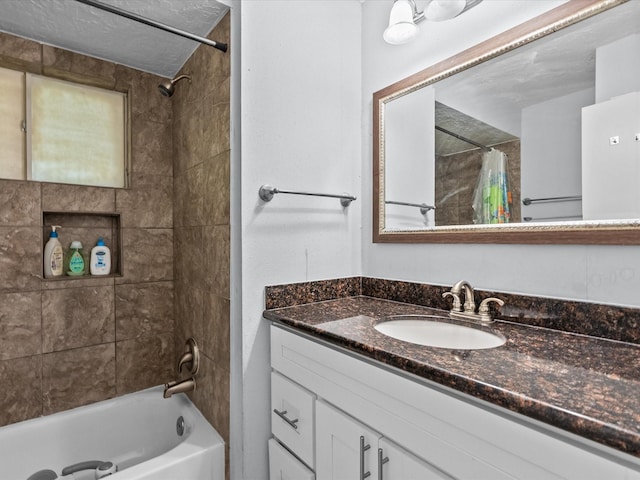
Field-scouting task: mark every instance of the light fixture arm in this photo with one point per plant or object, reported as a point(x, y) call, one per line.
point(417, 16)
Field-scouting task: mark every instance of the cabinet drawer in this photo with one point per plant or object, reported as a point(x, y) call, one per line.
point(292, 417)
point(284, 466)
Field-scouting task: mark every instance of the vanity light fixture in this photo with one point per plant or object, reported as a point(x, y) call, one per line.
point(404, 16)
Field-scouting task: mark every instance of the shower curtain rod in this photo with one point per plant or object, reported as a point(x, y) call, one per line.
point(154, 23)
point(464, 139)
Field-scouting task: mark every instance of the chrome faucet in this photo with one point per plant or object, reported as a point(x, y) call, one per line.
point(171, 388)
point(483, 315)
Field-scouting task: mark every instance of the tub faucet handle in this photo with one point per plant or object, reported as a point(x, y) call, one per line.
point(190, 358)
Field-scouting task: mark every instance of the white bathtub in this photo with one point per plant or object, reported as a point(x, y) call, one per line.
point(136, 432)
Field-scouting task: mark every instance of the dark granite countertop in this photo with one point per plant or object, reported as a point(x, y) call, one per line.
point(585, 385)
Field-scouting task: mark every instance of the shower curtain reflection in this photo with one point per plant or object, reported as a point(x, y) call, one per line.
point(492, 197)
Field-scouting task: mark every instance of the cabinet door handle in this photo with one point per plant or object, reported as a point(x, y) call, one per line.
point(283, 416)
point(381, 461)
point(363, 448)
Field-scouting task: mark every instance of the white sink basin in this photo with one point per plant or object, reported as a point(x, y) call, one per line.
point(439, 332)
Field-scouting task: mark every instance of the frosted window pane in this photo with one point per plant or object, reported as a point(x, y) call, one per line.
point(11, 116)
point(77, 133)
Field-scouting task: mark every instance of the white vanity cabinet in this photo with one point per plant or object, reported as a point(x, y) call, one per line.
point(425, 430)
point(348, 449)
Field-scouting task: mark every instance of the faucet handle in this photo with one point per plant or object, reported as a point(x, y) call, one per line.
point(457, 305)
point(483, 310)
point(190, 358)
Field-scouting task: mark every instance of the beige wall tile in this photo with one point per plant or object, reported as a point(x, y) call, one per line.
point(144, 310)
point(212, 394)
point(189, 307)
point(217, 190)
point(201, 142)
point(20, 325)
point(77, 317)
point(189, 255)
point(148, 203)
point(75, 282)
point(21, 380)
point(216, 140)
point(57, 197)
point(145, 99)
point(145, 362)
point(151, 146)
point(148, 255)
point(19, 203)
point(78, 377)
point(79, 68)
point(216, 328)
point(80, 312)
point(216, 256)
point(20, 52)
point(20, 258)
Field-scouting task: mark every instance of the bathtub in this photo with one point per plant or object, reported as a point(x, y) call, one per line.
point(138, 433)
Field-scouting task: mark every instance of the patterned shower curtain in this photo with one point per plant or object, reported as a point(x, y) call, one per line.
point(492, 197)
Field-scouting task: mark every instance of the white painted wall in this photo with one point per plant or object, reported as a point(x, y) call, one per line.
point(553, 168)
point(607, 274)
point(300, 104)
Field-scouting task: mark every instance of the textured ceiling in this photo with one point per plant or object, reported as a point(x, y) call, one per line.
point(84, 29)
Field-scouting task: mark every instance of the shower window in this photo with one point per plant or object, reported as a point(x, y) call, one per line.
point(71, 133)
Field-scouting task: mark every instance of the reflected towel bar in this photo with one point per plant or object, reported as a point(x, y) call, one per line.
point(267, 192)
point(529, 201)
point(424, 208)
point(531, 219)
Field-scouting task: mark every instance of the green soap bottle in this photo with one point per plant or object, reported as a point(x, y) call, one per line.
point(75, 260)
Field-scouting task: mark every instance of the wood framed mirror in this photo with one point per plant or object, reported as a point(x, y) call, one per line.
point(532, 137)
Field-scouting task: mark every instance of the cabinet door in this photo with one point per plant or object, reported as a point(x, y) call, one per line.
point(284, 466)
point(345, 449)
point(396, 463)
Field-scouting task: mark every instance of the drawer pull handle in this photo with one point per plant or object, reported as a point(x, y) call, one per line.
point(283, 416)
point(363, 448)
point(381, 461)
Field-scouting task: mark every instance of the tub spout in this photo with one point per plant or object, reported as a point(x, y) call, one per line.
point(188, 385)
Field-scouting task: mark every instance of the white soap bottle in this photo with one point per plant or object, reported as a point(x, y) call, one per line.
point(53, 256)
point(100, 263)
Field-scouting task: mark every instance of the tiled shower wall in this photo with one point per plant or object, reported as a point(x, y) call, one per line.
point(201, 218)
point(66, 343)
point(459, 173)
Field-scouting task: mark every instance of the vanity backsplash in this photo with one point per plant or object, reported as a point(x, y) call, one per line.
point(597, 320)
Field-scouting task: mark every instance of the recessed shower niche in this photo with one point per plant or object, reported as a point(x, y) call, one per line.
point(87, 228)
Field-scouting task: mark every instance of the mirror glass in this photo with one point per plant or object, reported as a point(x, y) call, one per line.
point(542, 138)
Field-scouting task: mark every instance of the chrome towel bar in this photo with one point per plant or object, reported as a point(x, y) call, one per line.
point(267, 192)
